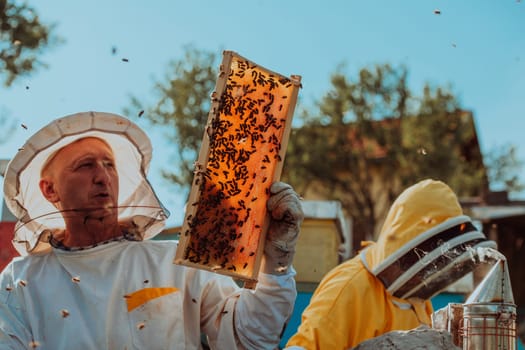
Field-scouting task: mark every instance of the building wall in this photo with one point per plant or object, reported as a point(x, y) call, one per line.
point(7, 251)
point(7, 227)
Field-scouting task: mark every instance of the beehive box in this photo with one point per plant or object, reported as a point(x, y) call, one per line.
point(324, 241)
point(241, 155)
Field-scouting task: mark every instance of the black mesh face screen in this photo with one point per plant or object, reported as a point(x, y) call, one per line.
point(447, 255)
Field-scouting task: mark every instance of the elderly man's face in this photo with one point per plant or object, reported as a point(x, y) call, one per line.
point(82, 176)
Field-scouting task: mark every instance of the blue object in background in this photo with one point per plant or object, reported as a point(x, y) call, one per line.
point(443, 299)
point(303, 299)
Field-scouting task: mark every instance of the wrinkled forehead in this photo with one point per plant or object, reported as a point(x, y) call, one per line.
point(77, 149)
point(86, 144)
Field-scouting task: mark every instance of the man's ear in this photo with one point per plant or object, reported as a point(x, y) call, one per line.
point(47, 187)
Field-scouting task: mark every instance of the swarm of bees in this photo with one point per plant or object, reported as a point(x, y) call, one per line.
point(244, 135)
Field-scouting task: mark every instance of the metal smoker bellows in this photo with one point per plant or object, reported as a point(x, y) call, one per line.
point(489, 314)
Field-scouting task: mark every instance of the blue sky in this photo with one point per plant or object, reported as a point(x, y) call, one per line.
point(476, 47)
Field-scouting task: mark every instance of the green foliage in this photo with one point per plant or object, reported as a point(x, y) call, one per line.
point(23, 37)
point(182, 109)
point(503, 168)
point(439, 141)
point(370, 139)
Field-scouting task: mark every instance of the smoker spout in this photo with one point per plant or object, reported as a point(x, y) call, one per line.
point(495, 287)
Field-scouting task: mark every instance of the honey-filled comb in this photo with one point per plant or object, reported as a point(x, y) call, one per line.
point(241, 155)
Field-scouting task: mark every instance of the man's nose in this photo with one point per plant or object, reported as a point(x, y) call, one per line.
point(101, 175)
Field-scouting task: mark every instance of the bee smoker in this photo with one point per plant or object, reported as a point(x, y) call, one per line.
point(489, 314)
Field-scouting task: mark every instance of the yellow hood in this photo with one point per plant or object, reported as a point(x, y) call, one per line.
point(426, 243)
point(418, 209)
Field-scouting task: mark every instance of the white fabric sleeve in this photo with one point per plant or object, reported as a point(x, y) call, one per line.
point(235, 318)
point(14, 331)
point(261, 315)
point(218, 301)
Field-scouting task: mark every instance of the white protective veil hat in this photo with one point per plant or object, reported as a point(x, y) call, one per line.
point(139, 209)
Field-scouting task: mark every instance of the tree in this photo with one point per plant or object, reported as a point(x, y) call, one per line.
point(440, 141)
point(369, 139)
point(183, 106)
point(504, 168)
point(23, 37)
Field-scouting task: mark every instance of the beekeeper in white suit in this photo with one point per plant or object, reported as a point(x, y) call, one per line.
point(89, 278)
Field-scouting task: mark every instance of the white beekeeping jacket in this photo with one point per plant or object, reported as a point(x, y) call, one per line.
point(129, 295)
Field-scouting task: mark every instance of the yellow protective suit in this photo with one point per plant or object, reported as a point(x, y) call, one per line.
point(351, 304)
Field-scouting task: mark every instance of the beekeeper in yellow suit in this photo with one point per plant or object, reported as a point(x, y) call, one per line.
point(425, 244)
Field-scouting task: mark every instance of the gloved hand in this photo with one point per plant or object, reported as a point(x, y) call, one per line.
point(286, 216)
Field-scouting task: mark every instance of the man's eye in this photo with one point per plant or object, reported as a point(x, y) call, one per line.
point(85, 165)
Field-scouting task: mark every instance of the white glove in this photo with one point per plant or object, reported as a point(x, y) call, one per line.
point(286, 216)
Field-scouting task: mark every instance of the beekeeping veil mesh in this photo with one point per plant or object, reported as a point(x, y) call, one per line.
point(426, 243)
point(138, 206)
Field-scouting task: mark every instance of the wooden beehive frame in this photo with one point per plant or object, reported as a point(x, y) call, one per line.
point(242, 152)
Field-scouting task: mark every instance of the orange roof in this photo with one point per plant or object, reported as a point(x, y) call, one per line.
point(373, 150)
